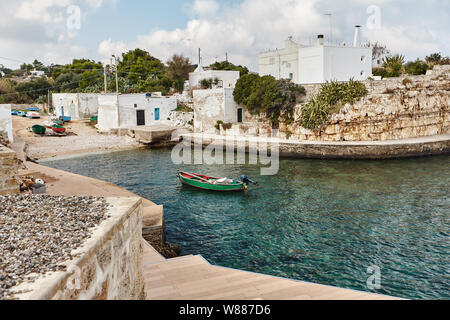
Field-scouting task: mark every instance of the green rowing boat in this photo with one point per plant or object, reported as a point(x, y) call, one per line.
point(210, 183)
point(38, 129)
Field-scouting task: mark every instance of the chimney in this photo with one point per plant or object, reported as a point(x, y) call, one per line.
point(357, 40)
point(320, 39)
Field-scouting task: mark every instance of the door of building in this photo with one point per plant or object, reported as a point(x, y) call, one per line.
point(240, 117)
point(156, 114)
point(140, 116)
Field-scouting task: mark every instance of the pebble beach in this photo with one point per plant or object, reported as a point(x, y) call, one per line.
point(39, 232)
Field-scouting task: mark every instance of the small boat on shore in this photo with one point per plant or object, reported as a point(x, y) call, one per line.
point(15, 113)
point(38, 129)
point(22, 114)
point(33, 115)
point(204, 182)
point(65, 118)
point(58, 129)
point(58, 122)
point(33, 109)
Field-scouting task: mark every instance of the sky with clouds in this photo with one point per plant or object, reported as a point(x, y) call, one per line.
point(50, 31)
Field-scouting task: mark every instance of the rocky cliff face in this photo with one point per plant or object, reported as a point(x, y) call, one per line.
point(397, 108)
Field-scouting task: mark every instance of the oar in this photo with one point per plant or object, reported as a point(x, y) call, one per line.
point(193, 174)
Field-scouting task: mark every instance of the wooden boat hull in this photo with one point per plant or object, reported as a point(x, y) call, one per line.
point(197, 182)
point(58, 129)
point(33, 115)
point(38, 129)
point(65, 118)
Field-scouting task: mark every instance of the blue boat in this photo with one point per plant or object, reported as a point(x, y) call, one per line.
point(65, 118)
point(33, 109)
point(22, 114)
point(15, 113)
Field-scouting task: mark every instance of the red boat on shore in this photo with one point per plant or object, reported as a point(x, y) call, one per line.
point(58, 129)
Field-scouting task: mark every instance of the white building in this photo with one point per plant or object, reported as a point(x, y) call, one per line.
point(132, 110)
point(281, 64)
point(75, 105)
point(318, 64)
point(6, 121)
point(227, 79)
point(212, 106)
point(36, 74)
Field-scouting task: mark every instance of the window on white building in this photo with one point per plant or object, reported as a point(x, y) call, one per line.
point(291, 76)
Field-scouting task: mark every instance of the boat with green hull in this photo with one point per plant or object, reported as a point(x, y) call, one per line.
point(38, 129)
point(204, 182)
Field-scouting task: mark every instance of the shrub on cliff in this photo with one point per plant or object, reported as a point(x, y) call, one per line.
point(416, 68)
point(275, 98)
point(228, 66)
point(332, 96)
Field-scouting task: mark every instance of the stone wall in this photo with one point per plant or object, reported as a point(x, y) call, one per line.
point(107, 267)
point(9, 167)
point(182, 119)
point(6, 122)
point(395, 108)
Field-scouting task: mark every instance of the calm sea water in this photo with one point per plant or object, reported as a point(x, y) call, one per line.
point(319, 221)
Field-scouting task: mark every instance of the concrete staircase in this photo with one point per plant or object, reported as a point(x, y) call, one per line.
point(194, 278)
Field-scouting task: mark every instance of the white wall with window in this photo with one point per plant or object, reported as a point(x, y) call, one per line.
point(326, 63)
point(280, 63)
point(134, 110)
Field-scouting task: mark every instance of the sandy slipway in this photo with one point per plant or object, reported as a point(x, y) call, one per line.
point(38, 234)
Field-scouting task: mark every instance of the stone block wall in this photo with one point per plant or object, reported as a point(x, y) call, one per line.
point(9, 167)
point(107, 267)
point(396, 108)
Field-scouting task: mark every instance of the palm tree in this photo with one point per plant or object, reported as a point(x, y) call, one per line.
point(394, 64)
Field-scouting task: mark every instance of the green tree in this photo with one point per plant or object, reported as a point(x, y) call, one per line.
point(275, 98)
point(417, 67)
point(228, 66)
point(34, 89)
point(68, 82)
point(178, 69)
point(138, 65)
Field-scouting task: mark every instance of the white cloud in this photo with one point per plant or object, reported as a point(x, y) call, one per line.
point(244, 29)
point(39, 29)
point(205, 7)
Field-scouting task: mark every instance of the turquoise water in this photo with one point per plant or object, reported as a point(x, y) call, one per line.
point(319, 221)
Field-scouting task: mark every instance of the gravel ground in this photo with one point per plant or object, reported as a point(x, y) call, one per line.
point(83, 138)
point(54, 146)
point(38, 234)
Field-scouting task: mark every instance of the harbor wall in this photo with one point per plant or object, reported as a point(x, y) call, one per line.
point(396, 108)
point(9, 167)
point(108, 266)
point(6, 122)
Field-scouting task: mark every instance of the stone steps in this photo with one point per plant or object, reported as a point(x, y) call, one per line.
point(193, 278)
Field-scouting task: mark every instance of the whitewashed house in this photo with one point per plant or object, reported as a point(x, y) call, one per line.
point(6, 121)
point(78, 106)
point(215, 105)
point(131, 110)
point(36, 73)
point(319, 63)
point(227, 79)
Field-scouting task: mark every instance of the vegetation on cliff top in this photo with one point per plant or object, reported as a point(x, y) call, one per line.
point(332, 96)
point(395, 65)
point(266, 95)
